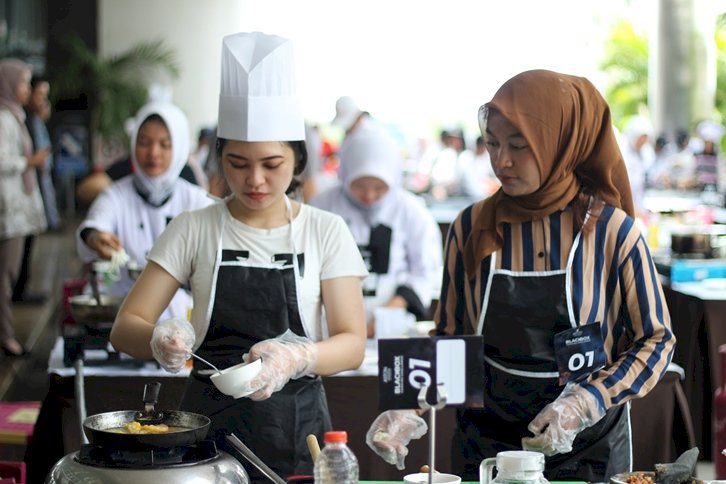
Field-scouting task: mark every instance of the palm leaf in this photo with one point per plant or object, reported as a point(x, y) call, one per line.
point(626, 63)
point(115, 86)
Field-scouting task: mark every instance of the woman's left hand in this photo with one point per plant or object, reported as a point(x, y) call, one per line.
point(283, 358)
point(557, 425)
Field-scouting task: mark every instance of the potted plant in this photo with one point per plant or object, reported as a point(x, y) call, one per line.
point(114, 87)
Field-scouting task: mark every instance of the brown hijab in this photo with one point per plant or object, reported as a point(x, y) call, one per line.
point(566, 122)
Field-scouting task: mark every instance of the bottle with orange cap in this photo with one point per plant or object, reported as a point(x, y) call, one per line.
point(336, 463)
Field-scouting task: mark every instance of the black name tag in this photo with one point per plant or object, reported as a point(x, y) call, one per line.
point(579, 352)
point(453, 363)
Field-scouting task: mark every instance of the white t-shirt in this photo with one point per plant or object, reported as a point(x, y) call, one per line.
point(188, 248)
point(120, 210)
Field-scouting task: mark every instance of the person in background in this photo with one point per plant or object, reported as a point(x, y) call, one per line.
point(709, 161)
point(37, 112)
point(311, 176)
point(677, 169)
point(205, 143)
point(554, 255)
point(91, 186)
point(21, 204)
point(198, 158)
point(349, 117)
point(658, 173)
point(263, 269)
point(131, 214)
point(477, 178)
point(447, 167)
point(397, 236)
point(212, 169)
point(639, 157)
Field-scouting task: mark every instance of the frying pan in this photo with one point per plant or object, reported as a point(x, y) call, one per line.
point(97, 429)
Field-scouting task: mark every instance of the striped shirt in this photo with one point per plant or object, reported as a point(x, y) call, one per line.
point(612, 279)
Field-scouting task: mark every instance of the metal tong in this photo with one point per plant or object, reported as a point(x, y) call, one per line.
point(253, 459)
point(425, 405)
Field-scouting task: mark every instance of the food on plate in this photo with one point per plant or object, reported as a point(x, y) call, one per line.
point(640, 478)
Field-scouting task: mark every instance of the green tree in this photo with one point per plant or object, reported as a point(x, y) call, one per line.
point(115, 87)
point(720, 102)
point(626, 64)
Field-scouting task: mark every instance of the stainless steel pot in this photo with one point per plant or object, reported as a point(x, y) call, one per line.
point(706, 241)
point(691, 245)
point(86, 310)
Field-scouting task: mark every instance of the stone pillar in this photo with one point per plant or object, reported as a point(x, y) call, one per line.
point(682, 70)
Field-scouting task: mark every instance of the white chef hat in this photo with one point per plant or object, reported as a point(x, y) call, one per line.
point(710, 131)
point(637, 126)
point(258, 98)
point(346, 112)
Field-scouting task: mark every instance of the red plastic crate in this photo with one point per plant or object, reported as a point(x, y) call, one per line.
point(12, 472)
point(71, 287)
point(17, 421)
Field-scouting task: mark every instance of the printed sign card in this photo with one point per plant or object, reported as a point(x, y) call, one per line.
point(580, 352)
point(405, 365)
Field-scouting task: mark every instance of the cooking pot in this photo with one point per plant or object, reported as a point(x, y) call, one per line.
point(85, 308)
point(700, 241)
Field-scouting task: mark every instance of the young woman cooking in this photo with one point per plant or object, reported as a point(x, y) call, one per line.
point(554, 255)
point(262, 269)
point(131, 214)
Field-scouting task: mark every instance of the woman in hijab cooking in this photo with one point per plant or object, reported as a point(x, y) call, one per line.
point(549, 267)
point(130, 215)
point(262, 268)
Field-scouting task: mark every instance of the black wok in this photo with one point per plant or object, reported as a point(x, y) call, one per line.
point(97, 429)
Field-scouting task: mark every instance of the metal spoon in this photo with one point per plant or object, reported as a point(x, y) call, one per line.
point(206, 362)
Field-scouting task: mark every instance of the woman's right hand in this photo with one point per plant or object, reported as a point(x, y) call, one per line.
point(103, 243)
point(172, 342)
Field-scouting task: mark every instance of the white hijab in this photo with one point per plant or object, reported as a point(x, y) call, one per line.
point(159, 188)
point(373, 153)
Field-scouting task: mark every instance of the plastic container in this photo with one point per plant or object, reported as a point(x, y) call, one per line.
point(336, 463)
point(719, 420)
point(514, 467)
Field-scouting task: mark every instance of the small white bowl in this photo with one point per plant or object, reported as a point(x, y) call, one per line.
point(233, 381)
point(438, 478)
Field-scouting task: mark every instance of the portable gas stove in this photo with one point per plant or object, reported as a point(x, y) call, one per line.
point(197, 462)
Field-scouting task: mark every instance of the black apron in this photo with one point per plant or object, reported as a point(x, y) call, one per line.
point(251, 302)
point(521, 313)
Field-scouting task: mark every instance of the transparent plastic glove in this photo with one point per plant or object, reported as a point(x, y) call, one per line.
point(172, 342)
point(557, 425)
point(390, 433)
point(285, 357)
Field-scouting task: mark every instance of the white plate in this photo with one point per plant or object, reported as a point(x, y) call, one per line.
point(715, 283)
